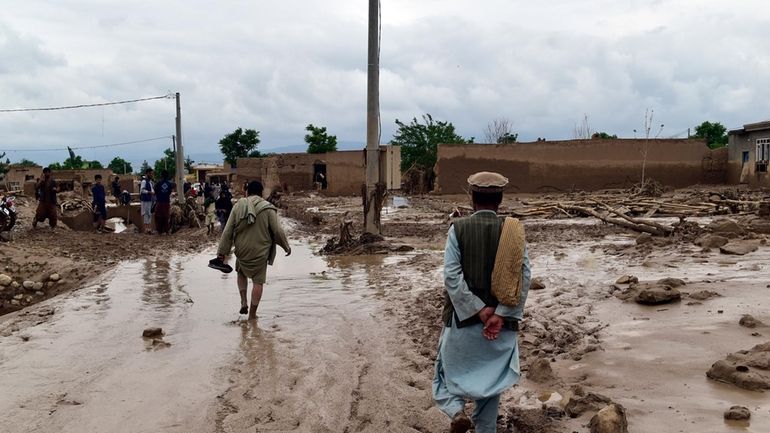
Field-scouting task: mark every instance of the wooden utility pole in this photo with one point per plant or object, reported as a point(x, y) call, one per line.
point(373, 190)
point(179, 153)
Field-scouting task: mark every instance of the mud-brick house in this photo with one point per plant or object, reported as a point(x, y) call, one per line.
point(334, 173)
point(17, 176)
point(749, 154)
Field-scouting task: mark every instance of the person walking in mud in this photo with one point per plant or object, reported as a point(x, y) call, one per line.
point(147, 198)
point(486, 277)
point(253, 228)
point(116, 189)
point(46, 190)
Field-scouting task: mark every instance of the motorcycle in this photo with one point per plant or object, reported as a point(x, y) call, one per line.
point(7, 213)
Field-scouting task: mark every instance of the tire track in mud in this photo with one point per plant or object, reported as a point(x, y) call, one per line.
point(356, 396)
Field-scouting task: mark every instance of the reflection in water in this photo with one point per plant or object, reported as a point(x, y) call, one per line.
point(157, 284)
point(257, 350)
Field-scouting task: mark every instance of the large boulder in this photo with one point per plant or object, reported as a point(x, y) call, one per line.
point(611, 419)
point(654, 294)
point(748, 369)
point(740, 248)
point(711, 241)
point(726, 227)
point(748, 321)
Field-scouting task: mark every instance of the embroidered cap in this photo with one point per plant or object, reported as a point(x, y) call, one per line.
point(486, 181)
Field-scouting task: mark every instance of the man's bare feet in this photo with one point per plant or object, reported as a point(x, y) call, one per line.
point(253, 312)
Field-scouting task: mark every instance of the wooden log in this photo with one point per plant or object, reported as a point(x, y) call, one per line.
point(627, 222)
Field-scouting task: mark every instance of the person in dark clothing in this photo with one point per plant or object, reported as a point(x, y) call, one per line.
point(46, 190)
point(187, 186)
point(99, 203)
point(207, 190)
point(163, 190)
point(224, 205)
point(116, 188)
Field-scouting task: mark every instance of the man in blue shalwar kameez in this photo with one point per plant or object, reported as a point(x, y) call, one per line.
point(478, 355)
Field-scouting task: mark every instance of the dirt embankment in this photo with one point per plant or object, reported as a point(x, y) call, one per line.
point(53, 261)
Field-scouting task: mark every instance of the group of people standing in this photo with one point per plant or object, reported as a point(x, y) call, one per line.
point(155, 199)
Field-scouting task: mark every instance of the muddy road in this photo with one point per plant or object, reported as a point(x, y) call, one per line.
point(321, 357)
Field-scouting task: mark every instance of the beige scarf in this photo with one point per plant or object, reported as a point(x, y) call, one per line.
point(506, 275)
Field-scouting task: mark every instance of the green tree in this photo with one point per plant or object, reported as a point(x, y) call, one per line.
point(256, 154)
point(3, 166)
point(25, 163)
point(167, 162)
point(507, 138)
point(603, 136)
point(56, 166)
point(144, 167)
point(119, 165)
point(73, 163)
point(318, 141)
point(188, 164)
point(238, 144)
point(93, 164)
point(714, 133)
point(419, 141)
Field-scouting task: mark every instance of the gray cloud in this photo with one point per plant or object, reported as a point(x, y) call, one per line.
point(277, 66)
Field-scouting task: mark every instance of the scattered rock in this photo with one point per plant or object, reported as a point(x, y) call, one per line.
point(627, 279)
point(644, 238)
point(540, 371)
point(672, 282)
point(5, 280)
point(54, 277)
point(158, 343)
point(536, 284)
point(611, 419)
point(727, 227)
point(15, 285)
point(28, 284)
point(748, 321)
point(703, 295)
point(740, 248)
point(38, 286)
point(654, 294)
point(748, 369)
point(738, 413)
point(579, 404)
point(711, 241)
point(152, 333)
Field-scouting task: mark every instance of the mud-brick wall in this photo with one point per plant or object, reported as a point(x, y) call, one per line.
point(581, 164)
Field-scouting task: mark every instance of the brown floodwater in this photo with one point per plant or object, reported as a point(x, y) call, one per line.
point(318, 358)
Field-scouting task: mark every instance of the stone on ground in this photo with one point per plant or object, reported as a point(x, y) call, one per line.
point(5, 280)
point(152, 333)
point(711, 241)
point(611, 419)
point(748, 369)
point(738, 413)
point(654, 294)
point(540, 371)
point(577, 405)
point(726, 227)
point(740, 248)
point(536, 284)
point(748, 321)
point(627, 279)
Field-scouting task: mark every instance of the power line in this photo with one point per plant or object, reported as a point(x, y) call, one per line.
point(88, 147)
point(69, 107)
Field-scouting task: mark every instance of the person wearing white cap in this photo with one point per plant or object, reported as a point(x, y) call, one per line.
point(486, 277)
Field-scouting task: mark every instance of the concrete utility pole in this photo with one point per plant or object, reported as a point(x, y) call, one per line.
point(179, 153)
point(372, 199)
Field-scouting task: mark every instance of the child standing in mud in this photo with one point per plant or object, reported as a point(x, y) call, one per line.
point(478, 355)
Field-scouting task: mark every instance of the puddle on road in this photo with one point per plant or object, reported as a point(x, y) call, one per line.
point(89, 369)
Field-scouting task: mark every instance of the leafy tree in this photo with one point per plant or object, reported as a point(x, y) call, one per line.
point(56, 166)
point(419, 141)
point(603, 136)
point(167, 162)
point(73, 163)
point(256, 154)
point(93, 164)
point(508, 137)
point(318, 141)
point(188, 164)
point(144, 167)
point(714, 133)
point(238, 144)
point(119, 165)
point(25, 163)
point(3, 166)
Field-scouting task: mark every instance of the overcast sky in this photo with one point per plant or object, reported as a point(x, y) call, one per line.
point(276, 66)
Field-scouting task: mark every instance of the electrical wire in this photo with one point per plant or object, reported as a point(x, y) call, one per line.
point(88, 147)
point(70, 107)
